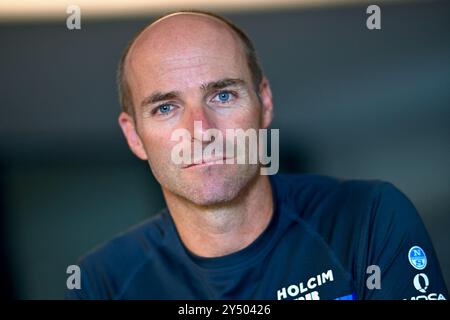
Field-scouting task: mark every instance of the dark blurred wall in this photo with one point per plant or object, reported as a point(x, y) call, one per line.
point(349, 102)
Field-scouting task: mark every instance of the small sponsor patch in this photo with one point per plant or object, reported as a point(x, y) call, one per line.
point(347, 297)
point(417, 258)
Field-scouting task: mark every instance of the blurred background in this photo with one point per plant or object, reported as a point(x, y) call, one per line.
point(349, 102)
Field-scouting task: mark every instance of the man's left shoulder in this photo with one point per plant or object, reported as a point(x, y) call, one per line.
point(326, 203)
point(313, 194)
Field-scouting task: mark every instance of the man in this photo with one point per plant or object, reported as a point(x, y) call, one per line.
point(230, 232)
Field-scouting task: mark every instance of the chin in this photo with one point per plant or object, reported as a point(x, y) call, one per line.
point(215, 186)
point(208, 191)
point(213, 197)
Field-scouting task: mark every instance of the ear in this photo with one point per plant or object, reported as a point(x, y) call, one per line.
point(267, 105)
point(128, 126)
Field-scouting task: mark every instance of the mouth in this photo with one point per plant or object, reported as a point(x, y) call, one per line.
point(207, 162)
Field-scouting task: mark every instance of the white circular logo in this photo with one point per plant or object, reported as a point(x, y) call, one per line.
point(422, 286)
point(417, 258)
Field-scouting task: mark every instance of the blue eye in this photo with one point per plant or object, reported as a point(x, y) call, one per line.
point(165, 108)
point(224, 96)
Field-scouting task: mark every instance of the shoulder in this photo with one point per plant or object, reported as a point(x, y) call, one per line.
point(135, 241)
point(361, 221)
point(311, 193)
point(360, 212)
point(106, 268)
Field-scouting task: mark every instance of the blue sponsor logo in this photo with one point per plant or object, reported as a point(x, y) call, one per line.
point(417, 258)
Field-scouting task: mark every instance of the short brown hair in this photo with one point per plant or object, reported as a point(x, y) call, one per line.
point(125, 97)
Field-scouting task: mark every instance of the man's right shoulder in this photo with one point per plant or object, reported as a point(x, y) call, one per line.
point(106, 268)
point(137, 240)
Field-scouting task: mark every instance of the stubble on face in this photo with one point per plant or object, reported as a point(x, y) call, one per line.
point(181, 53)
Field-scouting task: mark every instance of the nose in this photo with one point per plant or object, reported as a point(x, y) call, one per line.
point(198, 121)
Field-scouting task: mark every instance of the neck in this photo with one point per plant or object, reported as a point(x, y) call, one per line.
point(214, 231)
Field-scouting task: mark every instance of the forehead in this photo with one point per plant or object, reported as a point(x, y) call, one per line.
point(184, 45)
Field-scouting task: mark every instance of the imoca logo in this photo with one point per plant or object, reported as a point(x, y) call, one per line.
point(421, 282)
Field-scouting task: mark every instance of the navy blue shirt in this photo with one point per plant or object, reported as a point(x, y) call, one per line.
point(327, 239)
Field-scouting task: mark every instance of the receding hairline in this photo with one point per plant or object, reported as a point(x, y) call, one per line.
point(192, 13)
point(172, 15)
point(243, 42)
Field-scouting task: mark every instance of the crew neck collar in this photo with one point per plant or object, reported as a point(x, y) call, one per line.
point(240, 258)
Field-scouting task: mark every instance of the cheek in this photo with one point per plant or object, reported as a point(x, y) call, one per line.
point(248, 118)
point(157, 144)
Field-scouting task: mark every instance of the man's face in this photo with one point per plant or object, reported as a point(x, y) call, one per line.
point(182, 69)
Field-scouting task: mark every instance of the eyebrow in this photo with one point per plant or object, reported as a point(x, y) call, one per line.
point(210, 86)
point(159, 96)
point(223, 83)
